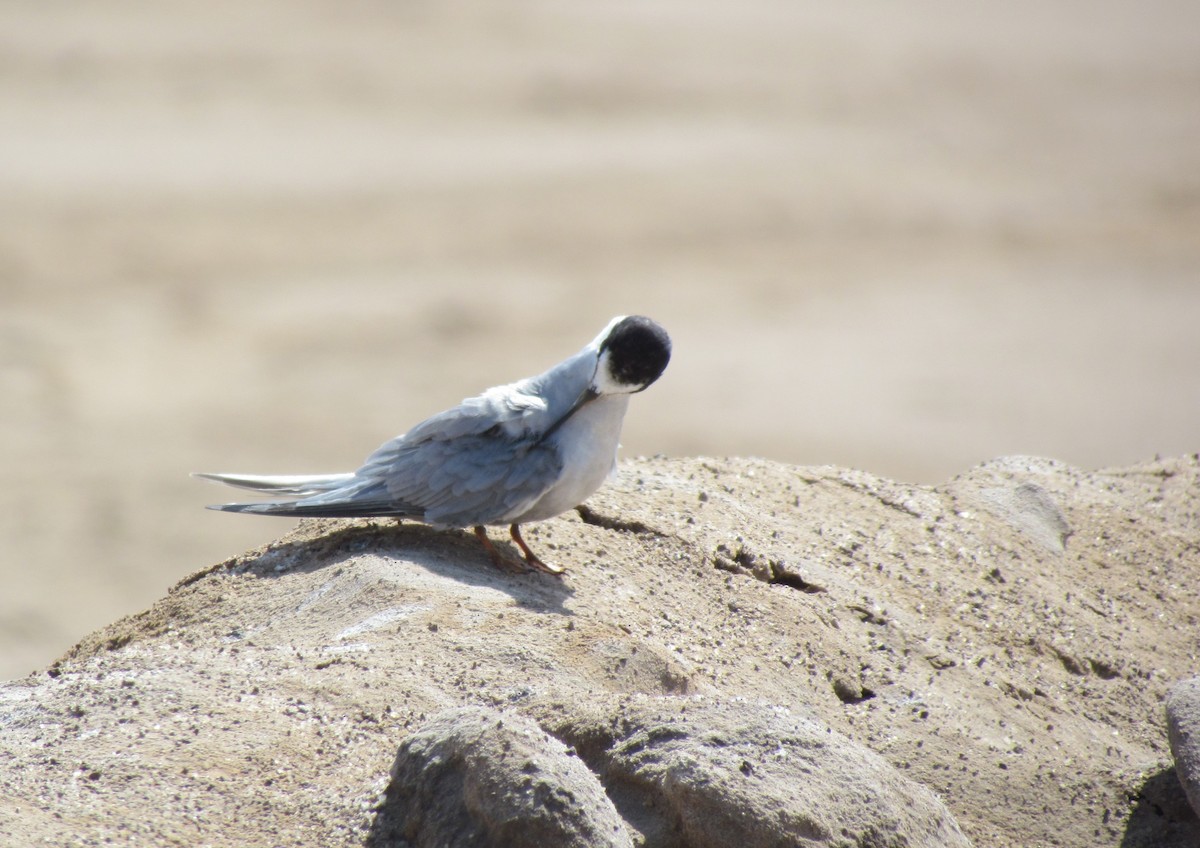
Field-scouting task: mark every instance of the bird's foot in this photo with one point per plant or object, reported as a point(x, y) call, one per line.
point(502, 562)
point(530, 557)
point(531, 561)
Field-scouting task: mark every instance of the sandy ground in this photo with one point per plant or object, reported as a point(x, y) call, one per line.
point(899, 237)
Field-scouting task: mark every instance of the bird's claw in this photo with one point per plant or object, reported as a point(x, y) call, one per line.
point(531, 560)
point(530, 557)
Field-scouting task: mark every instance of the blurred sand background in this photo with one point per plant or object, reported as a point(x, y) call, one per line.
point(903, 236)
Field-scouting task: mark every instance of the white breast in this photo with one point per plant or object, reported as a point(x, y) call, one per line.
point(588, 442)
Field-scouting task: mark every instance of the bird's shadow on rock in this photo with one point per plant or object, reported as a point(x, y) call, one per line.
point(1161, 816)
point(452, 554)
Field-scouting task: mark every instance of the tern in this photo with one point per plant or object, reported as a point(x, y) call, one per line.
point(517, 453)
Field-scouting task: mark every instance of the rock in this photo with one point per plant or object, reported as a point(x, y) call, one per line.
point(1031, 509)
point(1183, 730)
point(474, 776)
point(944, 630)
point(709, 774)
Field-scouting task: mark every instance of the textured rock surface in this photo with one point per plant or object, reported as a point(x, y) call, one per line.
point(1183, 730)
point(474, 776)
point(703, 773)
point(1005, 640)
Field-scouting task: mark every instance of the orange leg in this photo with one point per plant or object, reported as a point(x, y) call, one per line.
point(530, 556)
point(498, 559)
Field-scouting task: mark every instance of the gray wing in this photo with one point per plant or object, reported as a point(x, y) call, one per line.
point(476, 479)
point(474, 464)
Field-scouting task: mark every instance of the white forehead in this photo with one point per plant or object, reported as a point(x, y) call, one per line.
point(596, 342)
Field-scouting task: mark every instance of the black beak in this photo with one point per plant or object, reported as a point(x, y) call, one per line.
point(587, 396)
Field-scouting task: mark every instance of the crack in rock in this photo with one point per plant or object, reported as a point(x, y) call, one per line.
point(774, 572)
point(595, 519)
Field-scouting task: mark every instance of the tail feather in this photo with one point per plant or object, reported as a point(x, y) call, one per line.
point(316, 496)
point(343, 509)
point(299, 485)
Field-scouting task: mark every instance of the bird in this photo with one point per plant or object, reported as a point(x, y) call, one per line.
point(517, 453)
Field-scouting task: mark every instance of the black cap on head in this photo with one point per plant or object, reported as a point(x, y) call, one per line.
point(638, 351)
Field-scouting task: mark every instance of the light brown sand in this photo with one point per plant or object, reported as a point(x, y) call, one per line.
point(904, 237)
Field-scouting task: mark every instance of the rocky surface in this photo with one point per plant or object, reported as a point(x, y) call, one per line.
point(474, 776)
point(1003, 642)
point(708, 773)
point(1183, 730)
